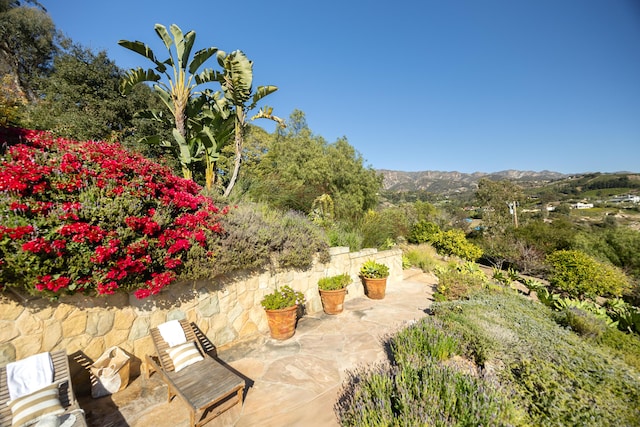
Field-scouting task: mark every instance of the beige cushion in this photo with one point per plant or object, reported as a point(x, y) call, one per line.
point(29, 409)
point(183, 355)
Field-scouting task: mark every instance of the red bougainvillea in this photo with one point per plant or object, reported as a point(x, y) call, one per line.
point(93, 217)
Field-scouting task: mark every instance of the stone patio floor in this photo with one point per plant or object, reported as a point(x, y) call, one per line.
point(294, 382)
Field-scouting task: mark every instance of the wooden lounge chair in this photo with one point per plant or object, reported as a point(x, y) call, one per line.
point(208, 388)
point(61, 377)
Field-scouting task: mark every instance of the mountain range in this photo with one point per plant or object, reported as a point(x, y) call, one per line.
point(451, 183)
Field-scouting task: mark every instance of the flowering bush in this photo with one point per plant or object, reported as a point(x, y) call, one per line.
point(92, 217)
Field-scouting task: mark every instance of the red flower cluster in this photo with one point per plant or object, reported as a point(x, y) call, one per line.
point(58, 192)
point(155, 285)
point(81, 232)
point(40, 245)
point(54, 285)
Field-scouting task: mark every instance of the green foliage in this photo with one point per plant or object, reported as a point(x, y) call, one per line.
point(322, 211)
point(283, 297)
point(450, 242)
point(430, 395)
point(297, 167)
point(80, 99)
point(381, 227)
point(595, 310)
point(582, 276)
point(256, 235)
point(374, 270)
point(621, 345)
point(416, 388)
point(424, 232)
point(627, 316)
point(454, 242)
point(236, 82)
point(542, 293)
point(501, 277)
point(424, 341)
point(421, 256)
point(28, 44)
point(494, 197)
point(11, 102)
point(582, 322)
point(618, 245)
point(557, 378)
point(175, 80)
point(333, 283)
point(457, 281)
point(339, 236)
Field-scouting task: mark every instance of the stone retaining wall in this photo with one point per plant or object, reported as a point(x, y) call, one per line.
point(226, 310)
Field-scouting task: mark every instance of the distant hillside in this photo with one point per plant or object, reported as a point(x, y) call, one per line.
point(457, 183)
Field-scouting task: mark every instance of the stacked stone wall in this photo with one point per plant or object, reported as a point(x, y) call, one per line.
point(227, 310)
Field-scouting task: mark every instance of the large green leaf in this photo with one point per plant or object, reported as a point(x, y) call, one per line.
point(135, 76)
point(183, 46)
point(157, 115)
point(164, 96)
point(261, 92)
point(208, 75)
point(162, 32)
point(144, 50)
point(200, 58)
point(185, 52)
point(238, 77)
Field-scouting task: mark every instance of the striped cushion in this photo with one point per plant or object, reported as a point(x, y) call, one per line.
point(29, 409)
point(184, 355)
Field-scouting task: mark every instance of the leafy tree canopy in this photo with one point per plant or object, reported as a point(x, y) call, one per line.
point(27, 44)
point(297, 167)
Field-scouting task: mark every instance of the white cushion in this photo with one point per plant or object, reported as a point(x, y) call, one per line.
point(184, 355)
point(29, 409)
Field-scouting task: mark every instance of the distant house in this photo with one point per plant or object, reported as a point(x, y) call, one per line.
point(627, 198)
point(581, 205)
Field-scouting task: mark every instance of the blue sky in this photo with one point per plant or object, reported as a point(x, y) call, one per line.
point(448, 85)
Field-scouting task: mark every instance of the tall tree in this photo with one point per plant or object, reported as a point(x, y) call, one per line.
point(80, 98)
point(178, 90)
point(297, 168)
point(496, 199)
point(27, 44)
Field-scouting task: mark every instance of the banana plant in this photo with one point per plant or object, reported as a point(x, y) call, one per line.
point(236, 81)
point(214, 128)
point(175, 80)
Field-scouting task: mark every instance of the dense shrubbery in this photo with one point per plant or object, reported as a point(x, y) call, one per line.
point(582, 276)
point(450, 242)
point(422, 256)
point(416, 390)
point(453, 242)
point(257, 236)
point(557, 377)
point(424, 232)
point(582, 322)
point(91, 217)
point(457, 281)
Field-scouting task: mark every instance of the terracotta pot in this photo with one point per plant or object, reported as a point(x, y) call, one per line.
point(282, 322)
point(333, 301)
point(375, 288)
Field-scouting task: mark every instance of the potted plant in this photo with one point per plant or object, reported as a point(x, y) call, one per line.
point(332, 292)
point(374, 277)
point(281, 307)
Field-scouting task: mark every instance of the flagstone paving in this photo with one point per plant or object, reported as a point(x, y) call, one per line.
point(289, 383)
